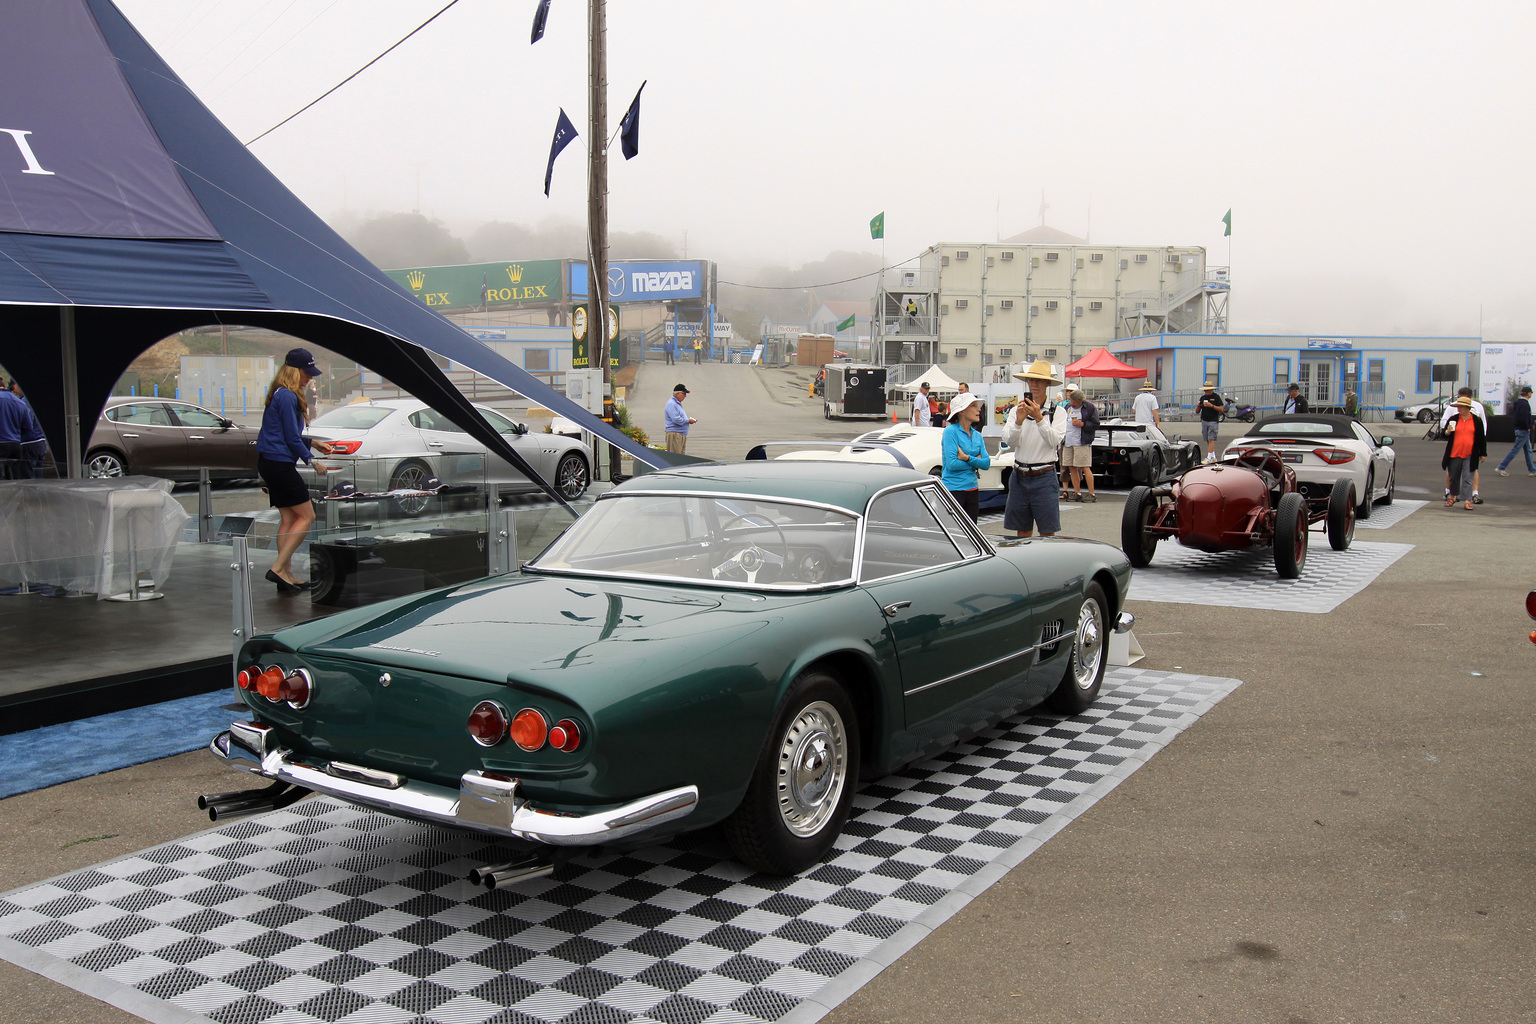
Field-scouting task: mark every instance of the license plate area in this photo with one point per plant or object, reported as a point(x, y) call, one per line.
point(1291, 457)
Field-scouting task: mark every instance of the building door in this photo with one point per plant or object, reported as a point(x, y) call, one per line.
point(1316, 377)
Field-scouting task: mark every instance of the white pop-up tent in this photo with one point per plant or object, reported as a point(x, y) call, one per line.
point(939, 382)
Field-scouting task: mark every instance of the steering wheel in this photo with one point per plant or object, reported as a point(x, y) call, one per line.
point(1260, 460)
point(747, 560)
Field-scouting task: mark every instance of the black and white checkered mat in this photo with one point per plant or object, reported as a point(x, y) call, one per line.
point(1383, 516)
point(326, 912)
point(1247, 579)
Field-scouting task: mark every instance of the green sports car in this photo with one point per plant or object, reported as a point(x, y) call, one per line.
point(719, 643)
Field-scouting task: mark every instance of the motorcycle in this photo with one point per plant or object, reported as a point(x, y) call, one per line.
point(1246, 413)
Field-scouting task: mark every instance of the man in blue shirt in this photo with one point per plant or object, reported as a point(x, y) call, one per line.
point(676, 422)
point(15, 420)
point(1522, 415)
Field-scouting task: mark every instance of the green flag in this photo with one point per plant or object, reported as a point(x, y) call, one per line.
point(847, 324)
point(877, 226)
point(1227, 220)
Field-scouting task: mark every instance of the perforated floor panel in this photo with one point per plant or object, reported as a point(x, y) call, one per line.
point(1247, 579)
point(1383, 516)
point(326, 912)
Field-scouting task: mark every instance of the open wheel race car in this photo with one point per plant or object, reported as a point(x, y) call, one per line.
point(1248, 500)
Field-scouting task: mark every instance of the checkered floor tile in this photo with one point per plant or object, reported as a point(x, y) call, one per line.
point(326, 912)
point(1383, 516)
point(1247, 579)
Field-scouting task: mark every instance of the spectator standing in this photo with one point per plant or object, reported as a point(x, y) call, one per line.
point(1212, 409)
point(1522, 417)
point(34, 446)
point(1077, 445)
point(1294, 402)
point(15, 417)
point(1351, 401)
point(279, 446)
point(921, 413)
point(676, 422)
point(1146, 405)
point(1033, 434)
point(1445, 420)
point(698, 347)
point(1464, 450)
point(964, 454)
point(670, 348)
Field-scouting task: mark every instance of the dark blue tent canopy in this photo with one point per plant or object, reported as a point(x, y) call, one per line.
point(128, 212)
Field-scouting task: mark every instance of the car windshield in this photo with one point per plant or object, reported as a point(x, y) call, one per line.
point(723, 540)
point(352, 417)
point(1290, 427)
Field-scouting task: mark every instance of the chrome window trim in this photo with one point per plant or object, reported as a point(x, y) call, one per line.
point(987, 550)
point(684, 493)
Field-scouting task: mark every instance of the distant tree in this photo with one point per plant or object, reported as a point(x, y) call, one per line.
point(393, 240)
point(554, 240)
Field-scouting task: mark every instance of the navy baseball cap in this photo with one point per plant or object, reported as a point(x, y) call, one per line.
point(303, 360)
point(345, 489)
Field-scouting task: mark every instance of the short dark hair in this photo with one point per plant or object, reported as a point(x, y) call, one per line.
point(1525, 390)
point(1464, 391)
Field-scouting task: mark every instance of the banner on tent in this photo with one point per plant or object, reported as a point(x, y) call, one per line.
point(475, 284)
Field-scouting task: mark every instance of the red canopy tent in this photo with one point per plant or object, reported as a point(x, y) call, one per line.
point(1099, 363)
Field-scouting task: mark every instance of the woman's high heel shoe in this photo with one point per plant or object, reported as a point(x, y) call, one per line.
point(283, 586)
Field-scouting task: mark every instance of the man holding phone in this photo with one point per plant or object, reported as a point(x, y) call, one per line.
point(1033, 434)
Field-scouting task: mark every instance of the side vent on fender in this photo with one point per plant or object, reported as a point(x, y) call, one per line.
point(1050, 638)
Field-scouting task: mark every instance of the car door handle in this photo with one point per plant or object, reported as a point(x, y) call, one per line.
point(895, 606)
point(196, 437)
point(130, 435)
point(434, 444)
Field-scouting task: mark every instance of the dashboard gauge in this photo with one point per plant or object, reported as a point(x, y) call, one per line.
point(813, 567)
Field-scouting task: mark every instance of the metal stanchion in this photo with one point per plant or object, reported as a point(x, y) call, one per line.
point(243, 614)
point(502, 550)
point(204, 507)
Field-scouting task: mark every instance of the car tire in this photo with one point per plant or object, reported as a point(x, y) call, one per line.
point(103, 464)
point(324, 587)
point(1363, 509)
point(1291, 536)
point(1425, 415)
point(409, 474)
point(1341, 516)
point(1089, 657)
point(802, 786)
point(1138, 545)
point(1155, 467)
point(826, 411)
point(1391, 486)
point(572, 478)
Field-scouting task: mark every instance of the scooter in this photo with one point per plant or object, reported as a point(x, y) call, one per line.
point(1246, 413)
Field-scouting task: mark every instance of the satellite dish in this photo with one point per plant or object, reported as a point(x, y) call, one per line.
point(1401, 394)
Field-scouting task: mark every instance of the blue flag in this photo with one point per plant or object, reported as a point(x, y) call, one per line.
point(564, 133)
point(629, 128)
point(540, 16)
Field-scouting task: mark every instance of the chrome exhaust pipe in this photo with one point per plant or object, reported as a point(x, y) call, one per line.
point(251, 801)
point(502, 876)
point(242, 795)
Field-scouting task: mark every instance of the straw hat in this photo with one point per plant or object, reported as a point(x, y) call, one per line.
point(961, 402)
point(1038, 370)
point(1149, 386)
point(1463, 402)
point(1209, 385)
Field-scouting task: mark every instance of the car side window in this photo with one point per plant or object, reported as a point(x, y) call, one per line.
point(192, 416)
point(1364, 435)
point(148, 414)
point(431, 419)
point(949, 518)
point(901, 535)
point(500, 422)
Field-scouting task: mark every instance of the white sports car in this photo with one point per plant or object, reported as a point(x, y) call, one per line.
point(1325, 450)
point(900, 444)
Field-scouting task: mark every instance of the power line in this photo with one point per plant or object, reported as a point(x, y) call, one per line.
point(803, 287)
point(353, 75)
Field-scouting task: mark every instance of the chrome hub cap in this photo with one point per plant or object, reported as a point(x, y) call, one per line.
point(813, 768)
point(1088, 647)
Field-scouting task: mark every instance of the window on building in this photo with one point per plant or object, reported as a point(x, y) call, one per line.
point(1050, 303)
point(536, 359)
point(1425, 382)
point(1375, 376)
point(1213, 369)
point(1282, 373)
point(1157, 373)
point(1096, 257)
point(961, 353)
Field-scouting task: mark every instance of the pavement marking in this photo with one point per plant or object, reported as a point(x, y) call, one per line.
point(325, 911)
point(1247, 579)
point(1383, 516)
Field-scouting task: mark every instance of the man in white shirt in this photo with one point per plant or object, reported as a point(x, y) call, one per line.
point(1446, 415)
point(920, 406)
point(1146, 405)
point(1033, 432)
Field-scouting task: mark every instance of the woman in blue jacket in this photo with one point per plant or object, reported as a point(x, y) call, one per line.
point(279, 447)
point(963, 453)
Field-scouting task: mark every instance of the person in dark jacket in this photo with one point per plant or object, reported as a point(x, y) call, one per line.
point(279, 446)
point(1465, 450)
point(1294, 402)
point(1522, 418)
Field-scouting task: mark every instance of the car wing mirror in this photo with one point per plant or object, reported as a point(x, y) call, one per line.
point(1385, 442)
point(519, 429)
point(225, 424)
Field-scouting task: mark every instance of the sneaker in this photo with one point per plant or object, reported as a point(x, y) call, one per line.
point(1503, 472)
point(1090, 497)
point(1477, 499)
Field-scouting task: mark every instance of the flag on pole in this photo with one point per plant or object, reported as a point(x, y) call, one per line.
point(629, 128)
point(852, 319)
point(877, 226)
point(1227, 220)
point(540, 16)
point(564, 133)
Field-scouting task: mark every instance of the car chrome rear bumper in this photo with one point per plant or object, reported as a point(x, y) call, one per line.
point(485, 801)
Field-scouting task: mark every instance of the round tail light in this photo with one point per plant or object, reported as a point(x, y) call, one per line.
point(529, 729)
point(247, 677)
point(566, 735)
point(1530, 604)
point(296, 688)
point(487, 723)
point(270, 681)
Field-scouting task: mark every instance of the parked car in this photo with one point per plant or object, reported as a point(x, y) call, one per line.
point(1248, 500)
point(168, 438)
point(1126, 453)
point(401, 443)
point(1423, 412)
point(902, 444)
point(1326, 449)
point(732, 643)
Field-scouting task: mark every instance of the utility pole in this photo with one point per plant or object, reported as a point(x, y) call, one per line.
point(597, 212)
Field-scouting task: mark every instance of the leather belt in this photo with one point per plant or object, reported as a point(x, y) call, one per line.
point(1038, 472)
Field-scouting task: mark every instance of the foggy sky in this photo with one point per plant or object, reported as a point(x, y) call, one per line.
point(1377, 157)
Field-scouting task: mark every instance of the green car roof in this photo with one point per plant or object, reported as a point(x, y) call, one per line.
point(847, 485)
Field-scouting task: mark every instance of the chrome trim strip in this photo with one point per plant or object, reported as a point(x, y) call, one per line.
point(858, 549)
point(776, 588)
point(367, 776)
point(972, 671)
point(495, 806)
point(734, 495)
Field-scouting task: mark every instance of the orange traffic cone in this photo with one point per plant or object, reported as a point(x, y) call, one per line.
point(895, 417)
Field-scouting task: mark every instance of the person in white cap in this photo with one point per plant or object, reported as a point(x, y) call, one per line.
point(964, 454)
point(1033, 432)
point(1146, 405)
point(920, 406)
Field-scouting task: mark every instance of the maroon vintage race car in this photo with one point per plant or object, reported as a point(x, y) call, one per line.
point(1248, 500)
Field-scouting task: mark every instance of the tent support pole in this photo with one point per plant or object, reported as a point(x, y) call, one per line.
point(72, 461)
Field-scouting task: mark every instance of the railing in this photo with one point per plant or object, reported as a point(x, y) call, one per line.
point(922, 325)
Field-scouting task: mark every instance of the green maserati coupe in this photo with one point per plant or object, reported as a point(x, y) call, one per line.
point(719, 643)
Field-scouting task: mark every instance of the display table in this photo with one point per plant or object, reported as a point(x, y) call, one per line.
point(112, 538)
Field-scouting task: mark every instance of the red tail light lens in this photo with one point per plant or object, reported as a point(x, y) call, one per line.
point(487, 723)
point(247, 677)
point(1530, 604)
point(296, 688)
point(345, 447)
point(566, 736)
point(1333, 456)
point(269, 682)
point(529, 729)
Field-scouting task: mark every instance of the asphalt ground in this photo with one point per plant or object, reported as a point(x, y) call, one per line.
point(1347, 837)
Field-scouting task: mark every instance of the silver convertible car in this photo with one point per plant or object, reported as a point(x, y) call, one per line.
point(401, 443)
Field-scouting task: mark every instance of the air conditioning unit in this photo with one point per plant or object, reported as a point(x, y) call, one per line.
point(1050, 303)
point(962, 254)
point(1007, 256)
point(1052, 257)
point(1007, 303)
point(1141, 257)
point(1049, 353)
point(908, 278)
point(1005, 353)
point(961, 353)
point(1095, 306)
point(1173, 257)
point(962, 303)
point(1096, 257)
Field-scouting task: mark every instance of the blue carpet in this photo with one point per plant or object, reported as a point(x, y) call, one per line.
point(73, 750)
